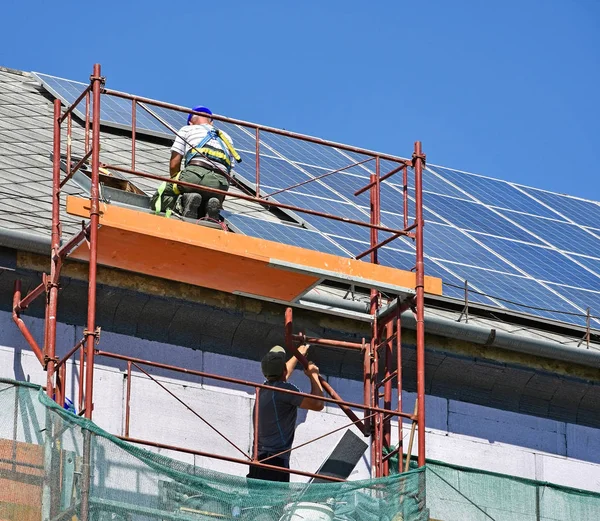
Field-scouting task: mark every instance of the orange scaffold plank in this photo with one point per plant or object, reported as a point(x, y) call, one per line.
point(234, 263)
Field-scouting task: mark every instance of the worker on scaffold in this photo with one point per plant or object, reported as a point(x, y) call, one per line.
point(277, 412)
point(207, 154)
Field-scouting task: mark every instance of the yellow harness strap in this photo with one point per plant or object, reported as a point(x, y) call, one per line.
point(176, 187)
point(229, 145)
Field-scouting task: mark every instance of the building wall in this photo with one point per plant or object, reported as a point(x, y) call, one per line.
point(457, 432)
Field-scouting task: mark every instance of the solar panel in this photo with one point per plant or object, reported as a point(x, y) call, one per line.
point(545, 264)
point(305, 152)
point(292, 235)
point(345, 184)
point(470, 215)
point(516, 292)
point(279, 174)
point(585, 213)
point(493, 192)
point(589, 262)
point(562, 235)
point(113, 111)
point(332, 207)
point(517, 246)
point(586, 299)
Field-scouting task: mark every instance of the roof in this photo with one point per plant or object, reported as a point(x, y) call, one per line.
point(25, 161)
point(26, 157)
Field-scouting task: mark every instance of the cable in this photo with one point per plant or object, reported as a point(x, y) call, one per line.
point(521, 305)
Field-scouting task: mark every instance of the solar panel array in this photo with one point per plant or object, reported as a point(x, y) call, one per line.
point(113, 111)
point(518, 247)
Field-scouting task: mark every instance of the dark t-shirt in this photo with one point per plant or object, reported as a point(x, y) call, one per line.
point(277, 418)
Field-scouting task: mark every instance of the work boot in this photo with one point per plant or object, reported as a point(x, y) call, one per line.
point(213, 206)
point(190, 203)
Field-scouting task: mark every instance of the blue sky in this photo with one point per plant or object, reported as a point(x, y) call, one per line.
point(505, 89)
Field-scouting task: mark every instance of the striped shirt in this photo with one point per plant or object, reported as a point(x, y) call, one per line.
point(191, 136)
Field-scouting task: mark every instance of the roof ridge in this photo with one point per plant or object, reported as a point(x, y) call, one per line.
point(14, 71)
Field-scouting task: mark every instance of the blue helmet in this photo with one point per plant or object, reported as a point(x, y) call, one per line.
point(199, 108)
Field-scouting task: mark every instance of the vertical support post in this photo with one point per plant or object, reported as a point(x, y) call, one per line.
point(90, 332)
point(376, 441)
point(52, 287)
point(58, 398)
point(133, 131)
point(128, 399)
point(418, 158)
point(256, 413)
point(61, 383)
point(81, 376)
point(587, 327)
point(466, 301)
point(377, 209)
point(376, 452)
point(69, 142)
point(257, 162)
point(46, 320)
point(87, 122)
point(367, 377)
point(399, 382)
point(63, 379)
point(387, 392)
point(405, 194)
point(372, 388)
point(289, 330)
point(375, 215)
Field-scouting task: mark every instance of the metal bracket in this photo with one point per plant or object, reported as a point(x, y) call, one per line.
point(48, 359)
point(48, 285)
point(95, 334)
point(102, 79)
point(422, 157)
point(491, 338)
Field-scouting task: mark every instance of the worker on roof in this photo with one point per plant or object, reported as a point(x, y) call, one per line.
point(277, 412)
point(207, 154)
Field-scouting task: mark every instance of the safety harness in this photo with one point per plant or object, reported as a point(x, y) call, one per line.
point(223, 155)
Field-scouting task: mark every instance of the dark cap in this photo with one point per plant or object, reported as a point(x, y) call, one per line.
point(273, 363)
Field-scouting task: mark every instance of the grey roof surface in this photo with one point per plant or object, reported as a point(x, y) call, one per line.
point(25, 158)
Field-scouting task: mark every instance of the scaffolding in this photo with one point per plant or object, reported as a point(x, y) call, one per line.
point(382, 353)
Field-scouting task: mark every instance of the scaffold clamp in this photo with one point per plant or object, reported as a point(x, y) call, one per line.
point(95, 334)
point(422, 157)
point(48, 359)
point(101, 79)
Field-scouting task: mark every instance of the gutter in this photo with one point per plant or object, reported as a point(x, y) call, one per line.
point(25, 241)
point(481, 335)
point(491, 337)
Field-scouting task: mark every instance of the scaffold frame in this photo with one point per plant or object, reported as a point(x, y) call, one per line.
point(380, 353)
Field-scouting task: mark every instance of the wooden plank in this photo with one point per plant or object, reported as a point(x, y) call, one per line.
point(235, 263)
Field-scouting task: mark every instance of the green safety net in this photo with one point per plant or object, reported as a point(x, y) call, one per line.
point(56, 466)
point(456, 493)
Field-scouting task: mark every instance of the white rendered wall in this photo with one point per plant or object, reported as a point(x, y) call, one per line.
point(459, 433)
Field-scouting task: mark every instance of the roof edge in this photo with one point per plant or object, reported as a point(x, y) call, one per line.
point(25, 241)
